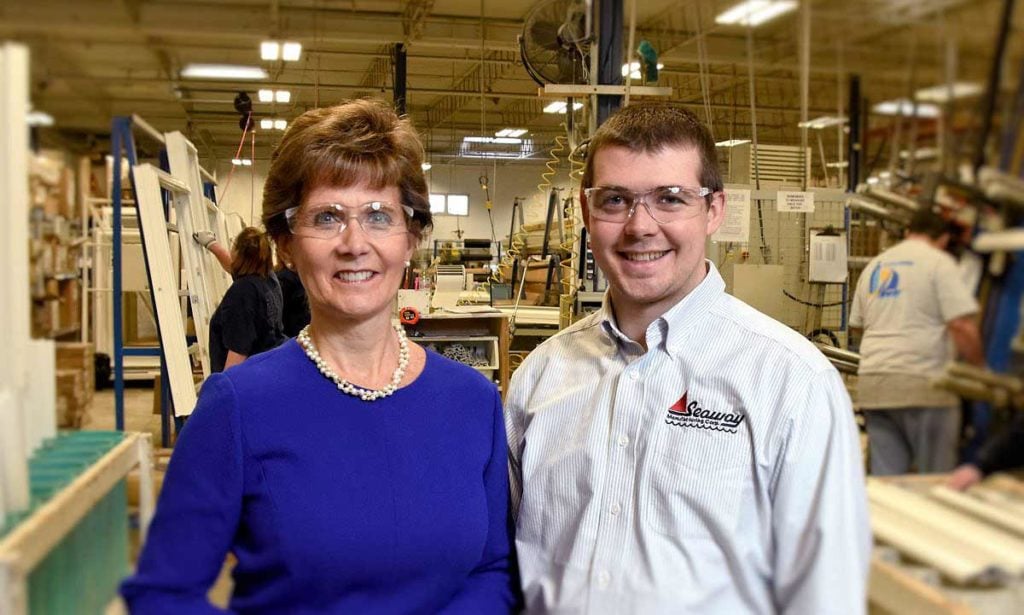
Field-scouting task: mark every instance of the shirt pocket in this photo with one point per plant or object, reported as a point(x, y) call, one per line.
point(696, 483)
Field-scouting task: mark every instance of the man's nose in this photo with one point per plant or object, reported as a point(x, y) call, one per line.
point(641, 221)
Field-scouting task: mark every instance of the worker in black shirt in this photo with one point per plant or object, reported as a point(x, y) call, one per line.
point(296, 307)
point(1002, 451)
point(249, 318)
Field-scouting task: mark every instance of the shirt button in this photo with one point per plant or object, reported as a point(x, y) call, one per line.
point(603, 578)
point(615, 508)
point(623, 441)
point(633, 375)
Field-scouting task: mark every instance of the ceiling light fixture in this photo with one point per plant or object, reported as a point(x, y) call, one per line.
point(241, 162)
point(223, 71)
point(559, 106)
point(510, 132)
point(270, 50)
point(266, 124)
point(266, 95)
point(732, 142)
point(282, 96)
point(755, 12)
point(824, 121)
point(941, 93)
point(505, 140)
point(426, 166)
point(280, 124)
point(906, 108)
point(291, 51)
point(39, 119)
point(636, 69)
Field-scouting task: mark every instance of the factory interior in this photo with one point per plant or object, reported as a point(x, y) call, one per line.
point(139, 137)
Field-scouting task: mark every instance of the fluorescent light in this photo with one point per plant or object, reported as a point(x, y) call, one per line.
point(282, 96)
point(266, 124)
point(905, 107)
point(426, 166)
point(39, 118)
point(559, 106)
point(291, 51)
point(872, 181)
point(732, 142)
point(241, 162)
point(236, 161)
point(246, 162)
point(510, 132)
point(922, 153)
point(505, 140)
point(824, 121)
point(755, 12)
point(269, 50)
point(266, 95)
point(940, 93)
point(280, 124)
point(223, 71)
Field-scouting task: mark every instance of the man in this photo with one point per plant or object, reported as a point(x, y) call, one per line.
point(910, 302)
point(677, 451)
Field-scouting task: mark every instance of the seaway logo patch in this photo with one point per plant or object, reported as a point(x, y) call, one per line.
point(688, 413)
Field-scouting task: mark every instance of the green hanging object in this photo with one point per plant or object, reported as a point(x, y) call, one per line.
point(649, 58)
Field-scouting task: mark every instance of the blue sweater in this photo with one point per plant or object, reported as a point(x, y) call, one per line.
point(332, 504)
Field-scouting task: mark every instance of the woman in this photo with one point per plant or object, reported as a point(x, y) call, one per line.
point(348, 470)
point(248, 320)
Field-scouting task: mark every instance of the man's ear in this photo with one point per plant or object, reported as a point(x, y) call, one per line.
point(716, 212)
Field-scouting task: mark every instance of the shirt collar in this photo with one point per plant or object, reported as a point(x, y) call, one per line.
point(669, 329)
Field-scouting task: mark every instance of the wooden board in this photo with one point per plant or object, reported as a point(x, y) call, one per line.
point(165, 286)
point(895, 591)
point(207, 280)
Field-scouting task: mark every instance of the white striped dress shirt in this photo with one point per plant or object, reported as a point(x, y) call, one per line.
point(717, 472)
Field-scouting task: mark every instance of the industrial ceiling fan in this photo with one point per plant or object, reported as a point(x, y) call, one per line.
point(555, 42)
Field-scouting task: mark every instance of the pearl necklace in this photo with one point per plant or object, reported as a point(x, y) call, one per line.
point(344, 385)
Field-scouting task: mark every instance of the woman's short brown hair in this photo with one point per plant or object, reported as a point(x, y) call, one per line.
point(252, 254)
point(356, 141)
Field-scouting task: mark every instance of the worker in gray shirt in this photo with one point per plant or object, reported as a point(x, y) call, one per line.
point(917, 315)
point(678, 451)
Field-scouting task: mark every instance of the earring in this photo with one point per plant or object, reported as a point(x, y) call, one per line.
point(407, 263)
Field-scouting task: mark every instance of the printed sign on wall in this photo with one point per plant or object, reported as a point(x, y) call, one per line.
point(795, 202)
point(736, 226)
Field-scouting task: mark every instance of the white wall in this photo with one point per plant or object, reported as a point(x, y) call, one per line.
point(505, 181)
point(244, 194)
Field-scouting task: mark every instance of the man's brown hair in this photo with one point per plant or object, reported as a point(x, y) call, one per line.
point(648, 127)
point(341, 146)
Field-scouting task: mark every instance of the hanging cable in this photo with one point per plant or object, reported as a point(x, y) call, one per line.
point(765, 249)
point(703, 71)
point(238, 152)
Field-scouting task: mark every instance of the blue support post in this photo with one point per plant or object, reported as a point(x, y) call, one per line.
point(122, 144)
point(120, 138)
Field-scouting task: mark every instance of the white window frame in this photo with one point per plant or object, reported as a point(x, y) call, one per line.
point(440, 204)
